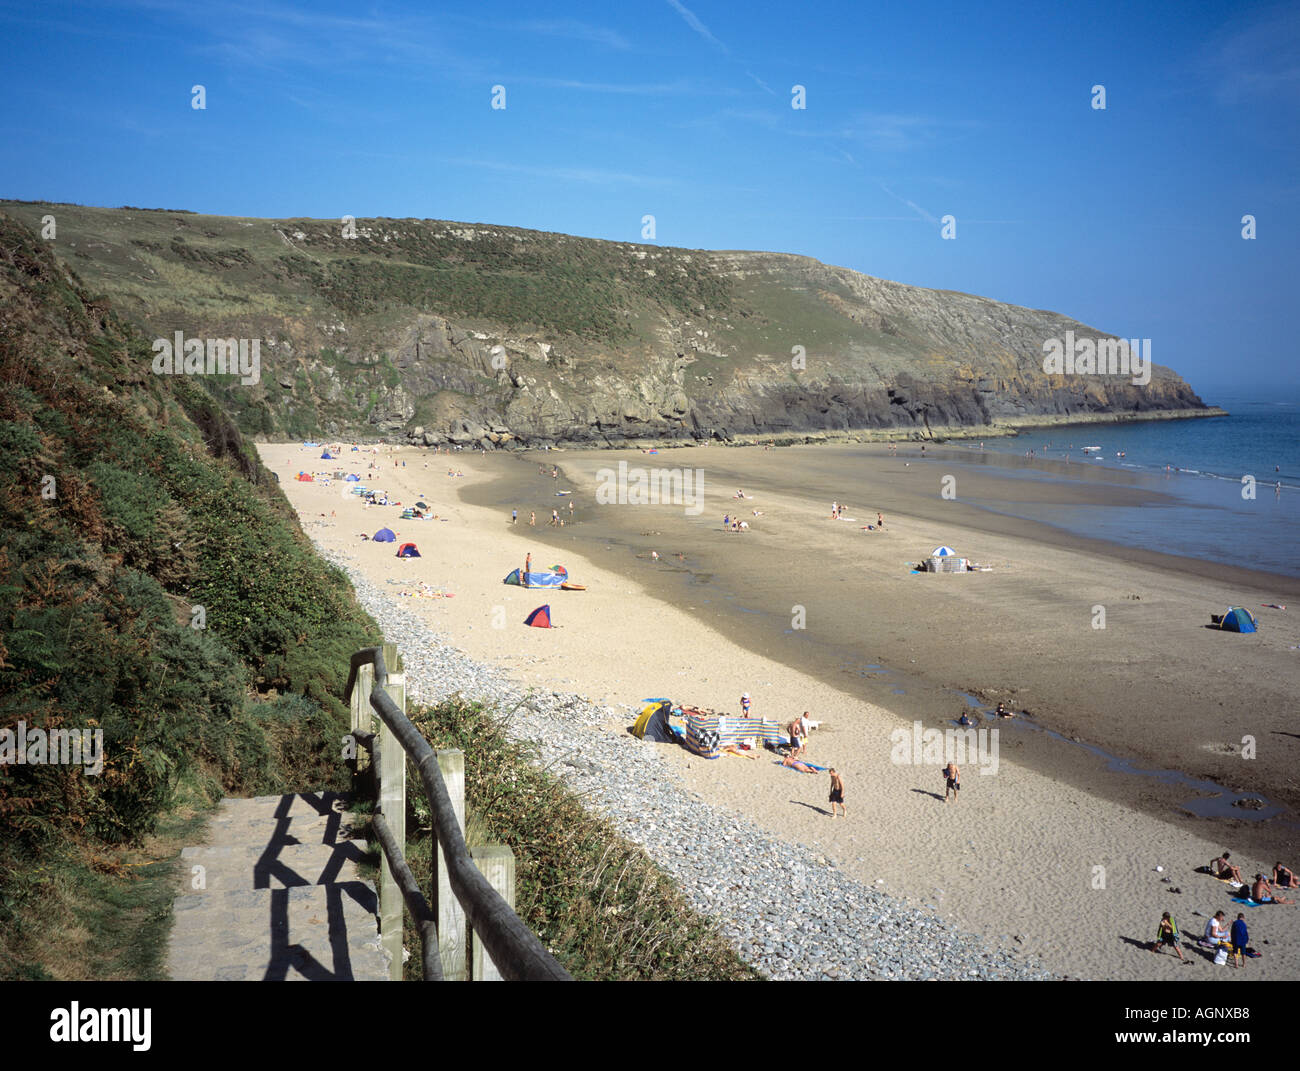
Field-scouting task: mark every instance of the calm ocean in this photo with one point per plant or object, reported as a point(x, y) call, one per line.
point(1207, 458)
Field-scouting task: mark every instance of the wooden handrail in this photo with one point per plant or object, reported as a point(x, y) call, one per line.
point(517, 952)
point(416, 904)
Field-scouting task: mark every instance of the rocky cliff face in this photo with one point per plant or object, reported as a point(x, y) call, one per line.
point(448, 332)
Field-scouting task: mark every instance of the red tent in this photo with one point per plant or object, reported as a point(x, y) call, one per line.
point(539, 618)
point(407, 550)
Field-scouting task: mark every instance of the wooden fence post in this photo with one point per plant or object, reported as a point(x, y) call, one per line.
point(495, 862)
point(361, 710)
point(392, 804)
point(451, 919)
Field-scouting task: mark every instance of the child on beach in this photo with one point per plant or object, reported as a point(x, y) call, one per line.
point(1167, 934)
point(1240, 939)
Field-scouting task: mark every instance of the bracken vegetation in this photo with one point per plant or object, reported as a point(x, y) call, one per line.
point(127, 501)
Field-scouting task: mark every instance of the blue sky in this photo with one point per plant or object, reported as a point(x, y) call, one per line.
point(1128, 219)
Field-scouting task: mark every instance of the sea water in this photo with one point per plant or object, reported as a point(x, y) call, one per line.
point(1234, 483)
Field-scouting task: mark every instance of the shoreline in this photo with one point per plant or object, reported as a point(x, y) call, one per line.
point(1076, 681)
point(1027, 824)
point(1001, 428)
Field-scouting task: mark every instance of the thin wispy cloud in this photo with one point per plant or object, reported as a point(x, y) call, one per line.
point(590, 175)
point(1260, 59)
point(574, 30)
point(693, 21)
point(761, 84)
point(276, 37)
point(921, 212)
point(679, 87)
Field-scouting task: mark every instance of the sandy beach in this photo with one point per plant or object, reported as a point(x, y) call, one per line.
point(1050, 850)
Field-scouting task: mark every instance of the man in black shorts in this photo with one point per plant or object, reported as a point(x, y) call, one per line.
point(952, 779)
point(837, 793)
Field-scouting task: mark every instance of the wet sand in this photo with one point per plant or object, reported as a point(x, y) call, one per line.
point(1018, 856)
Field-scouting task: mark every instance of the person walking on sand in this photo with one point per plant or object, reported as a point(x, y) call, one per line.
point(837, 793)
point(555, 516)
point(532, 518)
point(570, 509)
point(514, 516)
point(744, 705)
point(880, 520)
point(1167, 934)
point(952, 781)
point(528, 568)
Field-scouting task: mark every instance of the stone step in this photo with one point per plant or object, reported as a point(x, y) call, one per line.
point(307, 933)
point(291, 805)
point(268, 865)
point(230, 828)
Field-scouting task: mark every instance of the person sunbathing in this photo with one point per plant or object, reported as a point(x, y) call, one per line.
point(1221, 868)
point(795, 764)
point(1262, 892)
point(1284, 878)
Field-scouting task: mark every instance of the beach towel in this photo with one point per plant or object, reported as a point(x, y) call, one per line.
point(810, 765)
point(1246, 900)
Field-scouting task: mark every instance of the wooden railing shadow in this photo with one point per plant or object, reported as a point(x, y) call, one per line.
point(286, 957)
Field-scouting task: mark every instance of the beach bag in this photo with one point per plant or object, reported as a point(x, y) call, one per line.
point(1221, 956)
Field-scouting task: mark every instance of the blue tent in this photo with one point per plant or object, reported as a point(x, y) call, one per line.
point(1237, 619)
point(538, 580)
point(384, 535)
point(352, 477)
point(327, 456)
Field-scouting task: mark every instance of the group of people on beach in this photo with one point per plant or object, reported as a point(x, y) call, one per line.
point(1261, 890)
point(797, 730)
point(1223, 941)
